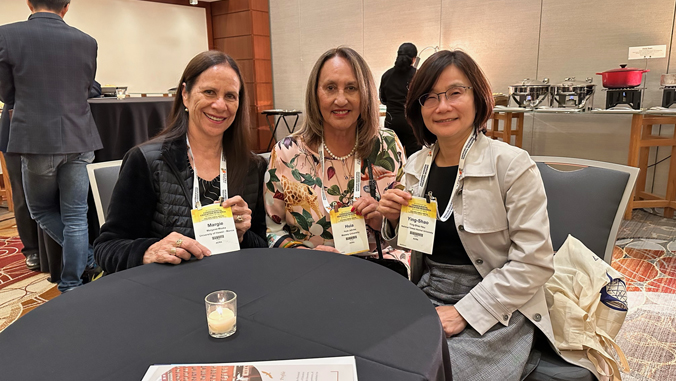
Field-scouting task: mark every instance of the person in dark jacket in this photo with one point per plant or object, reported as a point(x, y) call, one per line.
point(46, 70)
point(393, 90)
point(149, 217)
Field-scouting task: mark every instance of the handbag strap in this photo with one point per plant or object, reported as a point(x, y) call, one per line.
point(372, 191)
point(608, 342)
point(601, 363)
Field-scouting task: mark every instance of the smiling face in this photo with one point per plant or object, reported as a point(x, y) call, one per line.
point(454, 120)
point(338, 95)
point(212, 102)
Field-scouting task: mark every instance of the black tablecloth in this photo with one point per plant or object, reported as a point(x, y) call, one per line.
point(291, 304)
point(122, 124)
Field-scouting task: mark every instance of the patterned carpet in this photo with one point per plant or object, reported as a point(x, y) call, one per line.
point(646, 255)
point(21, 290)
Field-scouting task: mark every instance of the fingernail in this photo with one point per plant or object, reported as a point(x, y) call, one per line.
point(352, 210)
point(208, 252)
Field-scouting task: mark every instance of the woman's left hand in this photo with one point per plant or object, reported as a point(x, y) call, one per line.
point(452, 322)
point(367, 206)
point(240, 213)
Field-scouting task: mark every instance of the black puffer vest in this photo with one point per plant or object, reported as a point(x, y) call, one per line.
point(173, 181)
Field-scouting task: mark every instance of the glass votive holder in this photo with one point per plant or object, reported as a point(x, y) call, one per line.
point(121, 93)
point(221, 313)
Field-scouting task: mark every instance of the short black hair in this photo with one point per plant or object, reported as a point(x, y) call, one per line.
point(52, 5)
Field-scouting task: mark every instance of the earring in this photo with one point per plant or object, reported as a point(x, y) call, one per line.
point(186, 109)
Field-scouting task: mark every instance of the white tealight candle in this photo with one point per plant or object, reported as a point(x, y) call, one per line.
point(221, 320)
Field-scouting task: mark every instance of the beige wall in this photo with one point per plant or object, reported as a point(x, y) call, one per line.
point(142, 45)
point(511, 40)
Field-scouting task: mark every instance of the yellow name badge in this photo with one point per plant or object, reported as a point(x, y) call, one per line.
point(417, 223)
point(215, 228)
point(349, 231)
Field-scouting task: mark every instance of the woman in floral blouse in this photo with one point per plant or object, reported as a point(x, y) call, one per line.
point(341, 126)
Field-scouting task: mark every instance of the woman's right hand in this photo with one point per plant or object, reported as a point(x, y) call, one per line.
point(391, 202)
point(173, 249)
point(318, 247)
point(330, 249)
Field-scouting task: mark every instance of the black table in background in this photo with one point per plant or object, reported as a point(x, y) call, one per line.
point(124, 123)
point(291, 304)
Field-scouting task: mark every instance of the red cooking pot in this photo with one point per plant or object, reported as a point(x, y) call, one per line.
point(622, 77)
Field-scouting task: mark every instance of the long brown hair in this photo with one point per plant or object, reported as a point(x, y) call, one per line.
point(236, 141)
point(368, 121)
point(427, 76)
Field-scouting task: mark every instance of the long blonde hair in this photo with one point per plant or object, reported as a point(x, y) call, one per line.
point(368, 122)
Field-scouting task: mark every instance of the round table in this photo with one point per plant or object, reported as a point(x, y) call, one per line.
point(124, 123)
point(291, 304)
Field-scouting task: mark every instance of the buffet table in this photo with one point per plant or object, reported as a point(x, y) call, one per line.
point(640, 141)
point(639, 148)
point(291, 304)
point(506, 115)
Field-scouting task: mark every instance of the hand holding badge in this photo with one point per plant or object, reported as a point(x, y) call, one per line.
point(213, 224)
point(417, 224)
point(215, 228)
point(349, 229)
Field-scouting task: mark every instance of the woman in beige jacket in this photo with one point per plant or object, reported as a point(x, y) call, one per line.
point(492, 251)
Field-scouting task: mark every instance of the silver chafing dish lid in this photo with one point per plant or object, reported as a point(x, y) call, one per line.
point(571, 82)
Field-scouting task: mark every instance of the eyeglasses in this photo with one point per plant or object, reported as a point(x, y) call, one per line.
point(453, 95)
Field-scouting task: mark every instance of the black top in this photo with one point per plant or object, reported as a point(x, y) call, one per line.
point(447, 245)
point(394, 87)
point(210, 190)
point(286, 299)
point(153, 197)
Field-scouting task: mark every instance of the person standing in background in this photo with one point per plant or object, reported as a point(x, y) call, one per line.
point(46, 71)
point(393, 90)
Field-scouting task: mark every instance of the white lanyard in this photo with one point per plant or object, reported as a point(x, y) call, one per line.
point(196, 203)
point(461, 165)
point(357, 178)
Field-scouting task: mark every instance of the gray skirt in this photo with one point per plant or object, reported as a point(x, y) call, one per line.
point(502, 353)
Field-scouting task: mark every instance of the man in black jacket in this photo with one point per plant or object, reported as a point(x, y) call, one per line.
point(46, 71)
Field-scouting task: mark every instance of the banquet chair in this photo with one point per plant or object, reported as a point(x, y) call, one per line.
point(266, 156)
point(586, 201)
point(102, 178)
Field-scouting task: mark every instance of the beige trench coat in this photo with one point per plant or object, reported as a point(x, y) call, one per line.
point(501, 217)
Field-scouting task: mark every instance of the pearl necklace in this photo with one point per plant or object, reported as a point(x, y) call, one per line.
point(340, 157)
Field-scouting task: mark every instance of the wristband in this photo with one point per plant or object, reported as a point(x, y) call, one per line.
point(292, 244)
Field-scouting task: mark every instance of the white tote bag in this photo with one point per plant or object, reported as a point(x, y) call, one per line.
point(588, 304)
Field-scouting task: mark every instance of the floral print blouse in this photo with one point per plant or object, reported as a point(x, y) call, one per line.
point(294, 179)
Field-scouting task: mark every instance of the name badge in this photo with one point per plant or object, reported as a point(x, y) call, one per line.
point(417, 223)
point(215, 228)
point(349, 231)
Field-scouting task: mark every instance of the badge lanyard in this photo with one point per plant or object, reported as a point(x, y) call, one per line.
point(357, 178)
point(461, 165)
point(196, 203)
